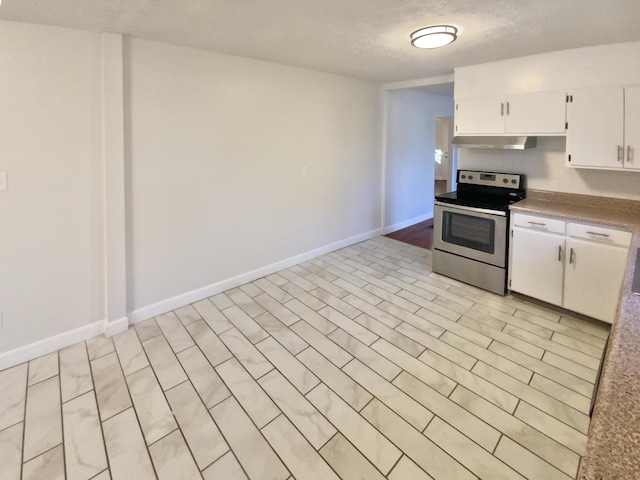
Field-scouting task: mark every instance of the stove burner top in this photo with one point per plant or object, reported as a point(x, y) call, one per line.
point(492, 191)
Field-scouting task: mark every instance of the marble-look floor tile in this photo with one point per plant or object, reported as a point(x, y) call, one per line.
point(164, 362)
point(407, 470)
point(424, 324)
point(597, 329)
point(227, 468)
point(43, 367)
point(391, 335)
point(458, 327)
point(13, 394)
point(371, 311)
point(245, 302)
point(111, 388)
point(334, 302)
point(561, 411)
point(561, 393)
point(478, 353)
point(347, 461)
point(430, 305)
point(545, 369)
point(249, 355)
point(365, 354)
point(147, 329)
point(252, 450)
point(552, 427)
point(398, 301)
point(202, 434)
point(296, 279)
point(354, 286)
point(300, 457)
point(246, 390)
point(474, 428)
point(187, 314)
point(525, 462)
point(99, 346)
point(49, 465)
point(75, 372)
point(172, 459)
point(11, 452)
point(380, 451)
point(302, 295)
point(438, 346)
point(527, 436)
point(415, 367)
point(579, 345)
point(476, 459)
point(128, 456)
point(585, 373)
point(130, 352)
point(350, 391)
point(282, 333)
point(247, 325)
point(277, 309)
point(321, 343)
point(299, 375)
point(311, 317)
point(213, 316)
point(102, 476)
point(416, 446)
point(272, 290)
point(154, 414)
point(316, 429)
point(204, 378)
point(209, 343)
point(348, 325)
point(43, 418)
point(401, 403)
point(503, 337)
point(221, 301)
point(173, 329)
point(83, 444)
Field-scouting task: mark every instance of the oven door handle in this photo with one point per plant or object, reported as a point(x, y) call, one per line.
point(497, 213)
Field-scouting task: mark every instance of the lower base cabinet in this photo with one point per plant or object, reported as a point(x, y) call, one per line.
point(573, 265)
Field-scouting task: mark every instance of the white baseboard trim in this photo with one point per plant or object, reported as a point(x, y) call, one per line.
point(51, 344)
point(204, 292)
point(116, 326)
point(407, 223)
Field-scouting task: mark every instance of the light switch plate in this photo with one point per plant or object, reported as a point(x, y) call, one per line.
point(3, 181)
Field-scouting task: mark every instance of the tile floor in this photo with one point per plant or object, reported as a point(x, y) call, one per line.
point(360, 364)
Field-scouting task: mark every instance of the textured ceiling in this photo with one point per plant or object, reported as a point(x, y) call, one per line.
point(367, 39)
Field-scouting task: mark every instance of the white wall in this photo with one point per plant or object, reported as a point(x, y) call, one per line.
point(410, 145)
point(51, 216)
point(215, 155)
point(617, 64)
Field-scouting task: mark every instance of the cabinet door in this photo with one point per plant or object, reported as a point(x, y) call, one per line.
point(480, 115)
point(537, 266)
point(593, 276)
point(536, 113)
point(596, 128)
point(632, 127)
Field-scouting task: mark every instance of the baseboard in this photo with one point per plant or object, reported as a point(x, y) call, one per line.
point(213, 289)
point(51, 344)
point(407, 223)
point(116, 326)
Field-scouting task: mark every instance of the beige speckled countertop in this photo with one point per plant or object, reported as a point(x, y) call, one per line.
point(613, 445)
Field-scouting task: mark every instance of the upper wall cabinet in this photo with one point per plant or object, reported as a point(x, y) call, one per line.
point(540, 113)
point(604, 128)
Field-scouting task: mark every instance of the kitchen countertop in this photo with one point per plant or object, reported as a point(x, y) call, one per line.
point(613, 445)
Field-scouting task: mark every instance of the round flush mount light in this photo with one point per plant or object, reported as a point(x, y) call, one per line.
point(434, 36)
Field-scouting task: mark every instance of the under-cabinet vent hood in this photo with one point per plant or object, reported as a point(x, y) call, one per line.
point(506, 143)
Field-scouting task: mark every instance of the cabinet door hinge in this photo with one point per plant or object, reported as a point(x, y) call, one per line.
point(509, 282)
point(456, 106)
point(569, 157)
point(511, 233)
point(571, 98)
point(567, 98)
point(566, 125)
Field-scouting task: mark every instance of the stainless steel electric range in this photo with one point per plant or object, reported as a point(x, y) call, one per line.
point(471, 228)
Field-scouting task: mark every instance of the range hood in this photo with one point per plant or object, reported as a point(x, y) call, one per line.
point(506, 143)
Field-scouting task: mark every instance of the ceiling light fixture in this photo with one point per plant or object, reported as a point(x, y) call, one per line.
point(434, 36)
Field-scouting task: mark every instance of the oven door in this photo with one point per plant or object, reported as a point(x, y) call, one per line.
point(474, 233)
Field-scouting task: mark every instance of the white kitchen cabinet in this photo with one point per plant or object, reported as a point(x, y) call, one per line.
point(604, 128)
point(573, 265)
point(536, 267)
point(541, 113)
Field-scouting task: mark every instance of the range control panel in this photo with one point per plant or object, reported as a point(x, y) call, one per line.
point(490, 179)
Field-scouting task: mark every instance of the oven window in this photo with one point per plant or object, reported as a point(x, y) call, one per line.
point(469, 231)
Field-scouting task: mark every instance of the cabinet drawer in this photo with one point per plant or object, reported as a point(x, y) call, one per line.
point(543, 224)
point(599, 233)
